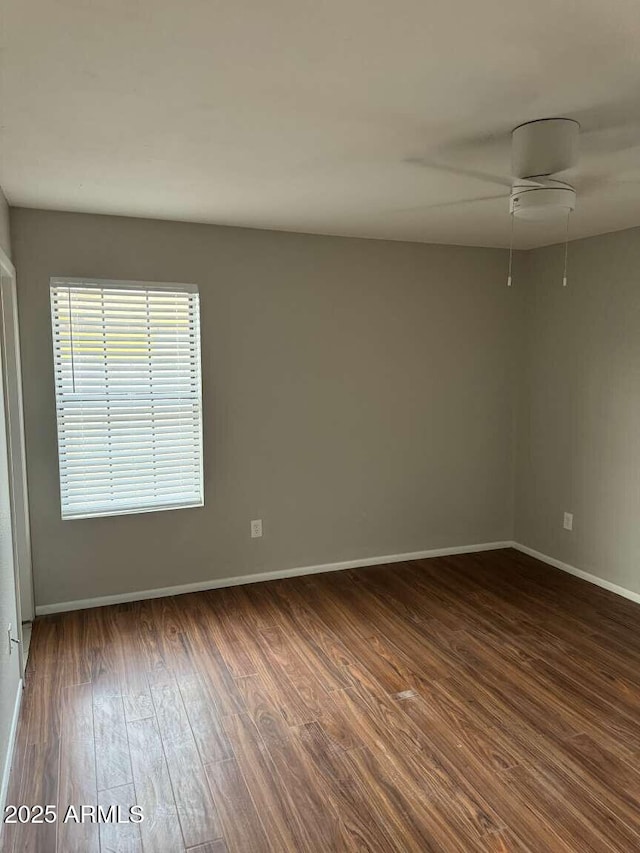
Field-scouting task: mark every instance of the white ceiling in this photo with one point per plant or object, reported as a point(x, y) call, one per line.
point(303, 114)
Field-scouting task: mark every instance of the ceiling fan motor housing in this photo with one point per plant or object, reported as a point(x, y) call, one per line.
point(544, 199)
point(540, 149)
point(544, 147)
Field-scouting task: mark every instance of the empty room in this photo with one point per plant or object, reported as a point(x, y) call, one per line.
point(320, 426)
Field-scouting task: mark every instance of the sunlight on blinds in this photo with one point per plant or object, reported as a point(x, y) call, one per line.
point(128, 396)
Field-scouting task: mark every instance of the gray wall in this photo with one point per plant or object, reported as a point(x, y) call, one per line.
point(579, 425)
point(359, 398)
point(5, 236)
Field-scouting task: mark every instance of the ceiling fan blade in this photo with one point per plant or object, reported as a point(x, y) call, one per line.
point(449, 203)
point(589, 185)
point(610, 140)
point(610, 126)
point(501, 180)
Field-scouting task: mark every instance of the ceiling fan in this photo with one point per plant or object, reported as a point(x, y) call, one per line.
point(542, 150)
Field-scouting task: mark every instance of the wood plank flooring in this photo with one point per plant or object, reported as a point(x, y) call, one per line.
point(484, 702)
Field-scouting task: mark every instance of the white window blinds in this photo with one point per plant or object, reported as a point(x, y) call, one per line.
point(128, 396)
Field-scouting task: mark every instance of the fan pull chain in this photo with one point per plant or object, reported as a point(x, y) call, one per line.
point(509, 277)
point(566, 251)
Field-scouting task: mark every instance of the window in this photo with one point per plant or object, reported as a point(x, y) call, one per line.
point(128, 396)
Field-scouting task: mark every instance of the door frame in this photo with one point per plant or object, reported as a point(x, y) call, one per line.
point(16, 451)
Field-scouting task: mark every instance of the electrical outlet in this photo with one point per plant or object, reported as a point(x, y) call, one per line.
point(568, 521)
point(256, 528)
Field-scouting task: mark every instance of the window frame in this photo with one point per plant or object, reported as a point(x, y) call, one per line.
point(121, 284)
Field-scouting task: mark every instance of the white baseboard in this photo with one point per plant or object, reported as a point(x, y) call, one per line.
point(216, 583)
point(10, 749)
point(587, 576)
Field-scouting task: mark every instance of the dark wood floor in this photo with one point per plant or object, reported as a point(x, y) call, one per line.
point(481, 702)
